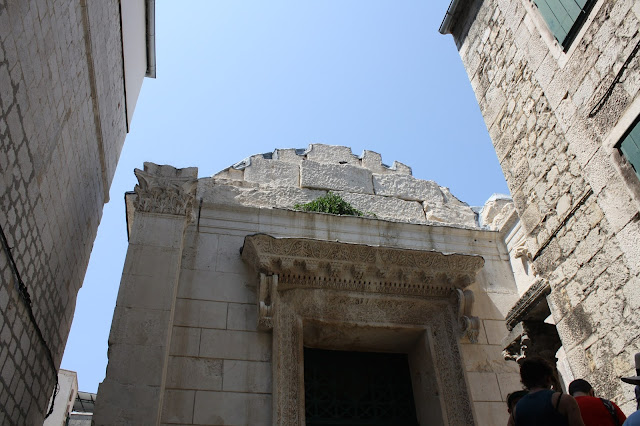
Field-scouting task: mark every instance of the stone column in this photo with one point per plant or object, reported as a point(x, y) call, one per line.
point(132, 391)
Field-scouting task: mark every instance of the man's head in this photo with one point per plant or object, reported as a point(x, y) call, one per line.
point(513, 398)
point(580, 387)
point(536, 372)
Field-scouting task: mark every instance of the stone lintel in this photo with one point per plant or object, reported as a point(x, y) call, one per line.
point(307, 263)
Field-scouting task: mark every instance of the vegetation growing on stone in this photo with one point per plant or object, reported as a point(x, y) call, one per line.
point(330, 203)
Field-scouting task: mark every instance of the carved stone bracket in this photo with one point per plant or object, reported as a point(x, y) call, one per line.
point(522, 251)
point(267, 286)
point(165, 189)
point(532, 305)
point(469, 325)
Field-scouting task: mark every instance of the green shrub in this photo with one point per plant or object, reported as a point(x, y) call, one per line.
point(330, 203)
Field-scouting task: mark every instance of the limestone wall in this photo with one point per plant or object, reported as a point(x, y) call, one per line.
point(554, 119)
point(61, 129)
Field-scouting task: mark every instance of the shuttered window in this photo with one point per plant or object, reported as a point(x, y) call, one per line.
point(565, 17)
point(630, 146)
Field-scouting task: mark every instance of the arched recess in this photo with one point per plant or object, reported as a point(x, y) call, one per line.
point(334, 295)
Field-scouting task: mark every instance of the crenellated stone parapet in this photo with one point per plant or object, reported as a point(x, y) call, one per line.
point(286, 177)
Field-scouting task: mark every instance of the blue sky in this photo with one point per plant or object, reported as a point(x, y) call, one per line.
point(241, 77)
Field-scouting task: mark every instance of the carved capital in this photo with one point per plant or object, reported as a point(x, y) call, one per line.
point(532, 338)
point(165, 189)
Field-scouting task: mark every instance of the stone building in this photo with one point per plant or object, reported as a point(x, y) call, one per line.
point(70, 74)
point(236, 308)
point(558, 85)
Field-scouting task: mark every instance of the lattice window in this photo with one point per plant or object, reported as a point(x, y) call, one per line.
point(357, 388)
point(565, 17)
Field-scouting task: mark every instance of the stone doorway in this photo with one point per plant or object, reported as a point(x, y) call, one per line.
point(357, 389)
point(340, 296)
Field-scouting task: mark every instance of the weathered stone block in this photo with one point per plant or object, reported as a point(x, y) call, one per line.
point(241, 345)
point(272, 172)
point(407, 188)
point(242, 317)
point(216, 286)
point(185, 341)
point(194, 373)
point(247, 376)
point(232, 408)
point(484, 386)
point(136, 326)
point(331, 154)
point(490, 413)
point(200, 313)
point(177, 406)
point(336, 177)
point(136, 365)
point(496, 330)
point(386, 207)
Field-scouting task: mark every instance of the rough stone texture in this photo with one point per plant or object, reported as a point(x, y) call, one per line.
point(62, 126)
point(288, 177)
point(555, 144)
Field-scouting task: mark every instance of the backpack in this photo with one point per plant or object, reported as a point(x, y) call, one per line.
point(610, 408)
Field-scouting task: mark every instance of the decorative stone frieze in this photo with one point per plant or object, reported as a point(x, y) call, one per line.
point(165, 189)
point(306, 263)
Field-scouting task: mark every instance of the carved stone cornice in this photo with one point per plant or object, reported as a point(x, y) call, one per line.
point(165, 189)
point(306, 263)
point(533, 299)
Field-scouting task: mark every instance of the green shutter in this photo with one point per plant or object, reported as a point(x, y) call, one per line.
point(564, 17)
point(630, 148)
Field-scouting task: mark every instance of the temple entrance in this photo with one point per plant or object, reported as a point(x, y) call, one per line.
point(357, 389)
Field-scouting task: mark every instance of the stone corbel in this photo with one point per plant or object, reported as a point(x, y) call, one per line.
point(266, 295)
point(522, 252)
point(165, 189)
point(469, 325)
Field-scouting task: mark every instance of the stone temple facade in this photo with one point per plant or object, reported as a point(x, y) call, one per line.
point(64, 115)
point(227, 291)
point(562, 104)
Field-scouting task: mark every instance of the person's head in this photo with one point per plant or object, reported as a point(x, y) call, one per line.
point(580, 387)
point(513, 398)
point(536, 372)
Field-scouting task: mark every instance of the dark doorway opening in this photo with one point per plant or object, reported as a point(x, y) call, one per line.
point(357, 389)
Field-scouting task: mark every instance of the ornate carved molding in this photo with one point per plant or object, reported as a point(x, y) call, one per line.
point(528, 302)
point(165, 189)
point(306, 263)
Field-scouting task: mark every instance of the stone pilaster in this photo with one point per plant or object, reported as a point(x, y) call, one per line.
point(141, 331)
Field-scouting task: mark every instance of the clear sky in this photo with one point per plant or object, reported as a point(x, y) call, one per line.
point(241, 77)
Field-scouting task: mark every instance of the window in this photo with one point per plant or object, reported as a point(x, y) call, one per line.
point(629, 146)
point(565, 17)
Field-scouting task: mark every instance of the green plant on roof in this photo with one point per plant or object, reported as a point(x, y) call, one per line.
point(330, 203)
